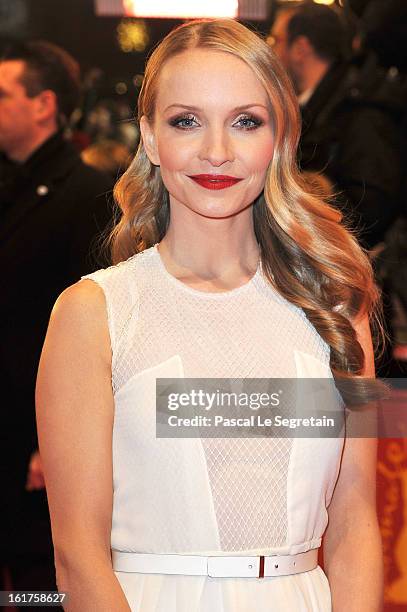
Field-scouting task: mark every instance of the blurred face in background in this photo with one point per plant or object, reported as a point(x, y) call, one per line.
point(289, 55)
point(17, 110)
point(278, 37)
point(212, 134)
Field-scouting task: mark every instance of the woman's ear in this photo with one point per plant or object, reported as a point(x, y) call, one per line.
point(148, 138)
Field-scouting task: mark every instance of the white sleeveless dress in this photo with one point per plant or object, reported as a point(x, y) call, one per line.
point(218, 496)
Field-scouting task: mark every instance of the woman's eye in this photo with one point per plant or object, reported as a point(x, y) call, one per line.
point(248, 122)
point(186, 122)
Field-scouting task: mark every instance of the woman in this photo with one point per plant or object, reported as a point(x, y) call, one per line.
point(226, 267)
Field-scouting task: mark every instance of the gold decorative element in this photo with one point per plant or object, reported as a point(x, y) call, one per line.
point(132, 35)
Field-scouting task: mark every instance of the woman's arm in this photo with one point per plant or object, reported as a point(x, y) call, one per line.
point(352, 545)
point(75, 419)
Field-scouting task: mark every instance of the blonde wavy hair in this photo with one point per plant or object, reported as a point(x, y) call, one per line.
point(306, 253)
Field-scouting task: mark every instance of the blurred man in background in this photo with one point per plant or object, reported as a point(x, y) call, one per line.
point(52, 208)
point(349, 123)
point(383, 29)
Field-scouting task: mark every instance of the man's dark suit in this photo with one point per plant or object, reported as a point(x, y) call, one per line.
point(350, 134)
point(52, 209)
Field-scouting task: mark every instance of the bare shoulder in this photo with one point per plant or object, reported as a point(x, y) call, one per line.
point(79, 315)
point(84, 298)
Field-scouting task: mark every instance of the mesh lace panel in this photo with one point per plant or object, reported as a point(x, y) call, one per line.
point(248, 479)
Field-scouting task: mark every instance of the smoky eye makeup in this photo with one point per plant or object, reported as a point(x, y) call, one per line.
point(184, 121)
point(244, 121)
point(248, 121)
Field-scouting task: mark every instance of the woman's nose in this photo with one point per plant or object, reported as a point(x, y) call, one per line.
point(216, 147)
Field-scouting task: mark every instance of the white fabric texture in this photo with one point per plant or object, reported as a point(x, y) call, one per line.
point(207, 496)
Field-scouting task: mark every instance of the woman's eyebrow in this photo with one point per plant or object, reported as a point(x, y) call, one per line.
point(196, 108)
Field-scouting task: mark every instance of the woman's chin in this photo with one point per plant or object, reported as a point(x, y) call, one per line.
point(218, 211)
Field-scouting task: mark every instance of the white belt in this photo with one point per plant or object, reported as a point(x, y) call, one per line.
point(216, 567)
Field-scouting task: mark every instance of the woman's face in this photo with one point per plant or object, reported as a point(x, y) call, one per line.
point(212, 135)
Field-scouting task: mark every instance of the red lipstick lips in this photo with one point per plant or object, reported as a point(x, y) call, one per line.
point(215, 181)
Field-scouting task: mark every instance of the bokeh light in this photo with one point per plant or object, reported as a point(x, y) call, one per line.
point(132, 35)
point(181, 8)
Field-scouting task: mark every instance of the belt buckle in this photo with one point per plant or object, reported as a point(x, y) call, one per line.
point(261, 567)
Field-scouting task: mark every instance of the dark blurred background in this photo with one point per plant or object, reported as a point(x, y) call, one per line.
point(112, 49)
